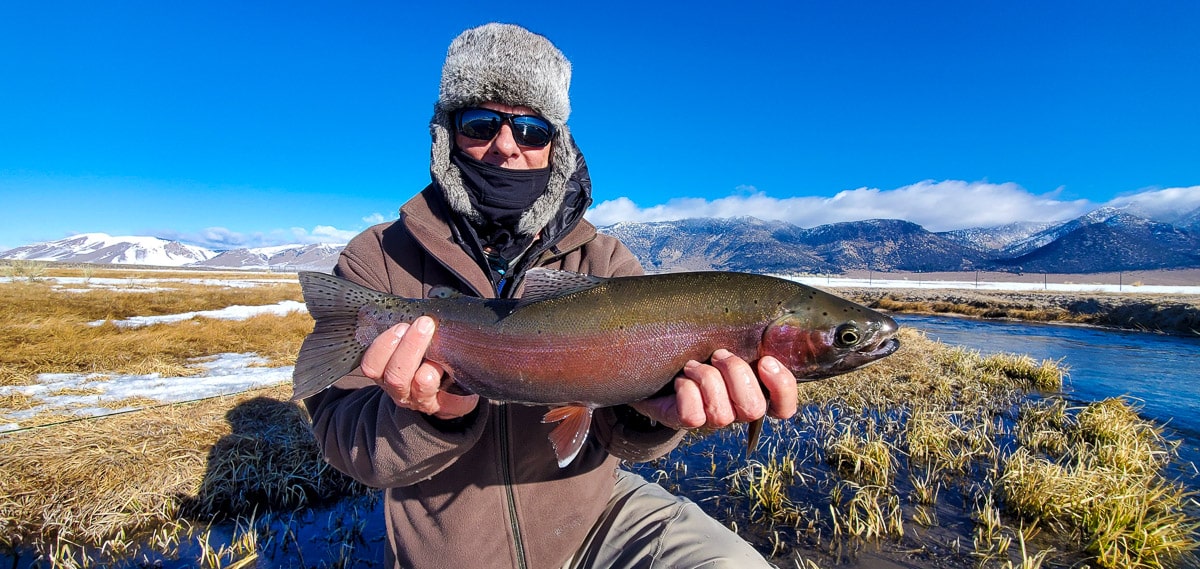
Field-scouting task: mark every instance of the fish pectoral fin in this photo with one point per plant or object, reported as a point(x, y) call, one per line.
point(574, 422)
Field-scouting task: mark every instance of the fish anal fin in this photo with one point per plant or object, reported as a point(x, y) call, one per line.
point(568, 437)
point(542, 283)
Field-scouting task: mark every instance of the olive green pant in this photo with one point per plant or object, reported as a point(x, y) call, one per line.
point(646, 527)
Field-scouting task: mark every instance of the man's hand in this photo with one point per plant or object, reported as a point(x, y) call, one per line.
point(724, 391)
point(396, 361)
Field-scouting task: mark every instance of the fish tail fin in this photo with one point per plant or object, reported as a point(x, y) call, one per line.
point(574, 422)
point(331, 350)
point(753, 432)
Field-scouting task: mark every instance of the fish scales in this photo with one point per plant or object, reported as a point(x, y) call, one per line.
point(603, 345)
point(577, 343)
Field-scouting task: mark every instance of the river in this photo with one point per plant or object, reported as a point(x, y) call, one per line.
point(1161, 373)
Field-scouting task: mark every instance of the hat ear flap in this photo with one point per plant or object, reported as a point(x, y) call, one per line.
point(444, 173)
point(562, 166)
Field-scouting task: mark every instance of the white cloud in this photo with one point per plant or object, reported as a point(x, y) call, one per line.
point(376, 218)
point(938, 206)
point(221, 238)
point(1167, 205)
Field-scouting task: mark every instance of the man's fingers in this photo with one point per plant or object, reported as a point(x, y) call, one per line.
point(781, 383)
point(426, 383)
point(717, 409)
point(688, 405)
point(451, 405)
point(744, 394)
point(380, 351)
point(407, 357)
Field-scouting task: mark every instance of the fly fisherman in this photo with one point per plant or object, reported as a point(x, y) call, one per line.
point(473, 484)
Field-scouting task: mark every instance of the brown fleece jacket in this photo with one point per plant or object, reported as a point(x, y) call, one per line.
point(485, 491)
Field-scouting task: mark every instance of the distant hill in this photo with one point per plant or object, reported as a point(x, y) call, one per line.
point(102, 248)
point(136, 250)
point(313, 257)
point(1107, 239)
point(1104, 240)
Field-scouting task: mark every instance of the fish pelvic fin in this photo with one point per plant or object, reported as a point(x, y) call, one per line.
point(331, 350)
point(568, 437)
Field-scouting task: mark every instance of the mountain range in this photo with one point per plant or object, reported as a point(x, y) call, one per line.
point(1107, 239)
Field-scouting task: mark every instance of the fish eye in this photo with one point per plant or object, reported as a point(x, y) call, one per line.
point(846, 335)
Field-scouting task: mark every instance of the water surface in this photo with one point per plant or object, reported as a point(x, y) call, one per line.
point(1159, 372)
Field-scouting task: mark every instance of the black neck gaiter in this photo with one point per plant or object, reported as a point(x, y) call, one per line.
point(501, 196)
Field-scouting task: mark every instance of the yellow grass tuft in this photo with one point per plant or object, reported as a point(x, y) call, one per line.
point(1106, 487)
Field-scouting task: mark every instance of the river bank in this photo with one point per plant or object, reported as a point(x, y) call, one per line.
point(1100, 300)
point(1169, 314)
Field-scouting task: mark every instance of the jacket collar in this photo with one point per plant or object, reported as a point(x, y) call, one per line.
point(427, 219)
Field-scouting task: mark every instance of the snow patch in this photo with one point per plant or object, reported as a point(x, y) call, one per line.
point(235, 312)
point(224, 374)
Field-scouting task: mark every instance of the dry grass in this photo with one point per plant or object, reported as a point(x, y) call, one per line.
point(85, 490)
point(94, 484)
point(1172, 314)
point(45, 331)
point(33, 270)
point(1105, 486)
point(982, 310)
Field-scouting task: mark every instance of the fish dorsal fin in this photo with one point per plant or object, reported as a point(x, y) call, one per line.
point(541, 284)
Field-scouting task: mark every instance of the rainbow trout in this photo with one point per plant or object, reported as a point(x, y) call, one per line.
point(577, 343)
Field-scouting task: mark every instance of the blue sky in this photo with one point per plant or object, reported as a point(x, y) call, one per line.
point(236, 123)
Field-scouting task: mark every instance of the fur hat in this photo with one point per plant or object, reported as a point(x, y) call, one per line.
point(506, 64)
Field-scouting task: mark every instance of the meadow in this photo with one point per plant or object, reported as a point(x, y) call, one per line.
point(936, 456)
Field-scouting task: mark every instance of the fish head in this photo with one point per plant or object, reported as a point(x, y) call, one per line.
point(820, 335)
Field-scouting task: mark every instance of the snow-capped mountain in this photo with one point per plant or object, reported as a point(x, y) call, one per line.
point(993, 239)
point(312, 257)
point(1107, 239)
point(104, 248)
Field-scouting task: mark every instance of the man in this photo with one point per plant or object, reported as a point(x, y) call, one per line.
point(474, 484)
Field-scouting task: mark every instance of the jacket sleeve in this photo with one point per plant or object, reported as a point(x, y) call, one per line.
point(364, 434)
point(624, 432)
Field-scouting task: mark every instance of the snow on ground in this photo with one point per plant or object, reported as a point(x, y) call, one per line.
point(838, 282)
point(235, 312)
point(142, 284)
point(61, 392)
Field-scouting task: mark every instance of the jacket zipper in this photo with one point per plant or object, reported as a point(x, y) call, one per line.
point(505, 436)
point(506, 472)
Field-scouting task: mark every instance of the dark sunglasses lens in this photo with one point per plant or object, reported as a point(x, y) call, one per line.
point(480, 124)
point(531, 131)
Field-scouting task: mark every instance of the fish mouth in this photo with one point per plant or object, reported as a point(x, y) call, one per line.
point(862, 357)
point(882, 349)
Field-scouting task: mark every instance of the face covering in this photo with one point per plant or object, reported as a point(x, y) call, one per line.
point(501, 196)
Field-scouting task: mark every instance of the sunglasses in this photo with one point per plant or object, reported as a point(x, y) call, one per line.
point(484, 124)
